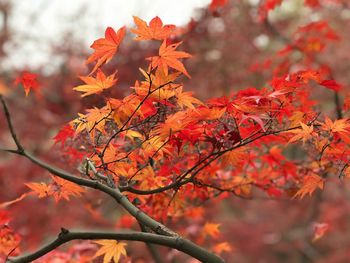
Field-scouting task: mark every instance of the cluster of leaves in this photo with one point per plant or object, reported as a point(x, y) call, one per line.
point(169, 149)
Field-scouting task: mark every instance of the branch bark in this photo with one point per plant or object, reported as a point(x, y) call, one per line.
point(66, 236)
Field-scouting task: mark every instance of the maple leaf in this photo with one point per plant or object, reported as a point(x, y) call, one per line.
point(310, 184)
point(174, 123)
point(185, 99)
point(64, 133)
point(216, 4)
point(331, 84)
point(28, 80)
point(234, 157)
point(105, 48)
point(153, 145)
point(59, 189)
point(296, 118)
point(111, 249)
point(319, 230)
point(9, 241)
point(96, 85)
point(304, 134)
point(340, 127)
point(95, 119)
point(168, 57)
point(211, 229)
point(222, 247)
point(40, 189)
point(64, 189)
point(155, 30)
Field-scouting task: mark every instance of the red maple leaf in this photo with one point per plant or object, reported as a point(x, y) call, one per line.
point(64, 133)
point(28, 80)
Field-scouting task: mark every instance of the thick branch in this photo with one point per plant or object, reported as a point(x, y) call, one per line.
point(113, 192)
point(152, 248)
point(173, 242)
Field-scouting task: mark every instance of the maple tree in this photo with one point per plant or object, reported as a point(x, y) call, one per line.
point(160, 152)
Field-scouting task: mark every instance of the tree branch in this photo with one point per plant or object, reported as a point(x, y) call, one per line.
point(174, 242)
point(151, 247)
point(9, 123)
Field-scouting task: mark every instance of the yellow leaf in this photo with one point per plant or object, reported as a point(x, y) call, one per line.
point(96, 85)
point(185, 99)
point(296, 118)
point(304, 134)
point(111, 249)
point(133, 134)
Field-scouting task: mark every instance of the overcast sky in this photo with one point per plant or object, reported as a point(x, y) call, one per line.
point(39, 23)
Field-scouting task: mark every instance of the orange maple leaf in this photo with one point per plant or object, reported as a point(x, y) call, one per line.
point(310, 184)
point(9, 241)
point(340, 127)
point(222, 247)
point(185, 99)
point(211, 229)
point(105, 48)
point(64, 189)
point(111, 249)
point(169, 57)
point(234, 157)
point(96, 85)
point(155, 30)
point(59, 189)
point(95, 119)
point(40, 189)
point(304, 134)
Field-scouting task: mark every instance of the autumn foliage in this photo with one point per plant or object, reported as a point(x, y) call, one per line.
point(163, 151)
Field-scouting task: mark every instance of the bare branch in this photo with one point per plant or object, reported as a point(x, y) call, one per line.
point(149, 238)
point(9, 123)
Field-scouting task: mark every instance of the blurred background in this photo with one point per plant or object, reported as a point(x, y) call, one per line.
point(234, 46)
